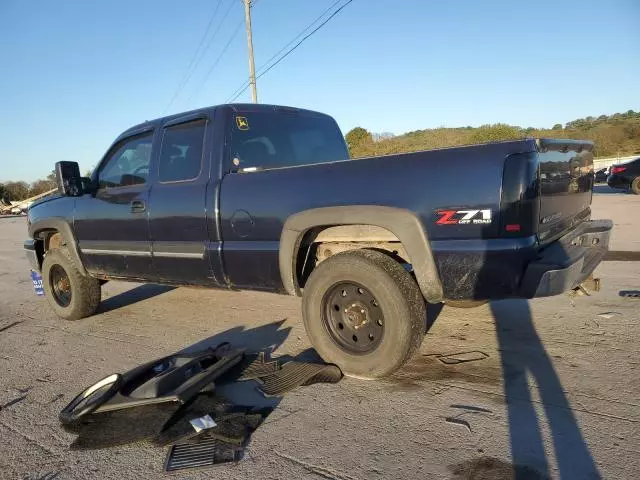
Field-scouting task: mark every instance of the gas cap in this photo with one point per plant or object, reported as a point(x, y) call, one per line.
point(242, 223)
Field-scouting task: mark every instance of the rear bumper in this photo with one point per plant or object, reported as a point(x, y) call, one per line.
point(618, 181)
point(32, 254)
point(568, 261)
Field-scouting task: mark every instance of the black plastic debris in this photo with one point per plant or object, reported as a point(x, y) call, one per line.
point(258, 365)
point(12, 402)
point(471, 408)
point(459, 421)
point(295, 374)
point(178, 400)
point(9, 325)
point(630, 293)
point(204, 453)
point(175, 378)
point(234, 423)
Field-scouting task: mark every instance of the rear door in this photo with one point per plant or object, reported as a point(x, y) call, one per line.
point(112, 226)
point(566, 185)
point(178, 205)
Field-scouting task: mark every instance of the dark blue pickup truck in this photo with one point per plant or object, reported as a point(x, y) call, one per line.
point(266, 198)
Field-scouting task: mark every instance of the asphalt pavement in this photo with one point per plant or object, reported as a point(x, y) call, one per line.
point(551, 388)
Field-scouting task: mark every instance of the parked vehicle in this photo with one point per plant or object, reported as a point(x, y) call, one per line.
point(626, 175)
point(601, 175)
point(266, 198)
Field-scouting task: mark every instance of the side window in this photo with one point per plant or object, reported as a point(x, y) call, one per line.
point(128, 163)
point(181, 154)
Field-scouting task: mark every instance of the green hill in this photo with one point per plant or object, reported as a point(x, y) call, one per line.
point(614, 135)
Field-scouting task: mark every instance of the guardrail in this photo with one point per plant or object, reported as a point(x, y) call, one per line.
point(599, 163)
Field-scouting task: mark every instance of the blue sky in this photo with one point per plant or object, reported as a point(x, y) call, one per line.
point(76, 73)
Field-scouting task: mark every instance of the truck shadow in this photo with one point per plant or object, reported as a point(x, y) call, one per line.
point(135, 295)
point(523, 356)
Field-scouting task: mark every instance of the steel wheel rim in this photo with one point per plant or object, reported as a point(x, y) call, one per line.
point(60, 285)
point(352, 317)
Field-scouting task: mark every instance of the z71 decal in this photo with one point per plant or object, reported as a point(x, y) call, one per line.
point(463, 217)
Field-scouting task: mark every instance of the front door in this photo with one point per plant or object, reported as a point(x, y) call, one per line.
point(178, 206)
point(112, 225)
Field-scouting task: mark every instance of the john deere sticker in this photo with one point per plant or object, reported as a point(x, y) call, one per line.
point(242, 123)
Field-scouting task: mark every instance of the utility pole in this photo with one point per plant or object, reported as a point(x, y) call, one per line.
point(252, 67)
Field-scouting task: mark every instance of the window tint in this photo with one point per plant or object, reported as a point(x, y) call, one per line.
point(128, 164)
point(181, 156)
point(281, 139)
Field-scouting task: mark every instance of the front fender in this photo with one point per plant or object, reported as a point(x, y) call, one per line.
point(61, 225)
point(404, 224)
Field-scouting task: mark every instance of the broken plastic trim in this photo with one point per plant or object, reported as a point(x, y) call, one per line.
point(87, 401)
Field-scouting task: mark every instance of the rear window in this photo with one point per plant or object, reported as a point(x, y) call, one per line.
point(285, 139)
point(181, 155)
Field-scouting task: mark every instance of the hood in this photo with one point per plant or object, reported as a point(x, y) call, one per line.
point(51, 197)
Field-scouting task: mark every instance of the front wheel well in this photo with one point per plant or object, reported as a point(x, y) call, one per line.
point(46, 240)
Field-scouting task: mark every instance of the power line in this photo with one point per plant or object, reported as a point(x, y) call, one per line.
point(288, 52)
point(204, 51)
point(183, 81)
point(301, 33)
point(245, 84)
point(224, 49)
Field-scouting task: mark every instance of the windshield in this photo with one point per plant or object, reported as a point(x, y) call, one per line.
point(284, 139)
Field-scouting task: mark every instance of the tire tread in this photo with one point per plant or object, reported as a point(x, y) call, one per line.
point(86, 293)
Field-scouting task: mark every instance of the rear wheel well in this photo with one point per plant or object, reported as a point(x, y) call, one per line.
point(322, 242)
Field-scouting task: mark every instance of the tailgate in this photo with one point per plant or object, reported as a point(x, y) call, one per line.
point(566, 184)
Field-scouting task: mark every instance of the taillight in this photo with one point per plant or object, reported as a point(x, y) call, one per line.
point(519, 200)
point(615, 170)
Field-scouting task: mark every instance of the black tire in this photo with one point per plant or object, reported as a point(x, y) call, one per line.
point(465, 303)
point(397, 303)
point(83, 292)
point(635, 186)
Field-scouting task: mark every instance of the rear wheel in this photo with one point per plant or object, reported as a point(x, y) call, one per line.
point(635, 186)
point(71, 294)
point(364, 312)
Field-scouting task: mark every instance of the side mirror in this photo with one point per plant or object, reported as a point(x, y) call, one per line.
point(88, 186)
point(68, 179)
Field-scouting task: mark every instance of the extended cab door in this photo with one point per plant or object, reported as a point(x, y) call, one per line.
point(112, 225)
point(179, 205)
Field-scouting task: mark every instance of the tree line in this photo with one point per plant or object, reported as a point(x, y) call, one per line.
point(613, 135)
point(13, 191)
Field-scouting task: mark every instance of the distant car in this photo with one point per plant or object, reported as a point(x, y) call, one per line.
point(601, 175)
point(626, 175)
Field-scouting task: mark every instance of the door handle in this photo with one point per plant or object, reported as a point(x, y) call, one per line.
point(138, 206)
